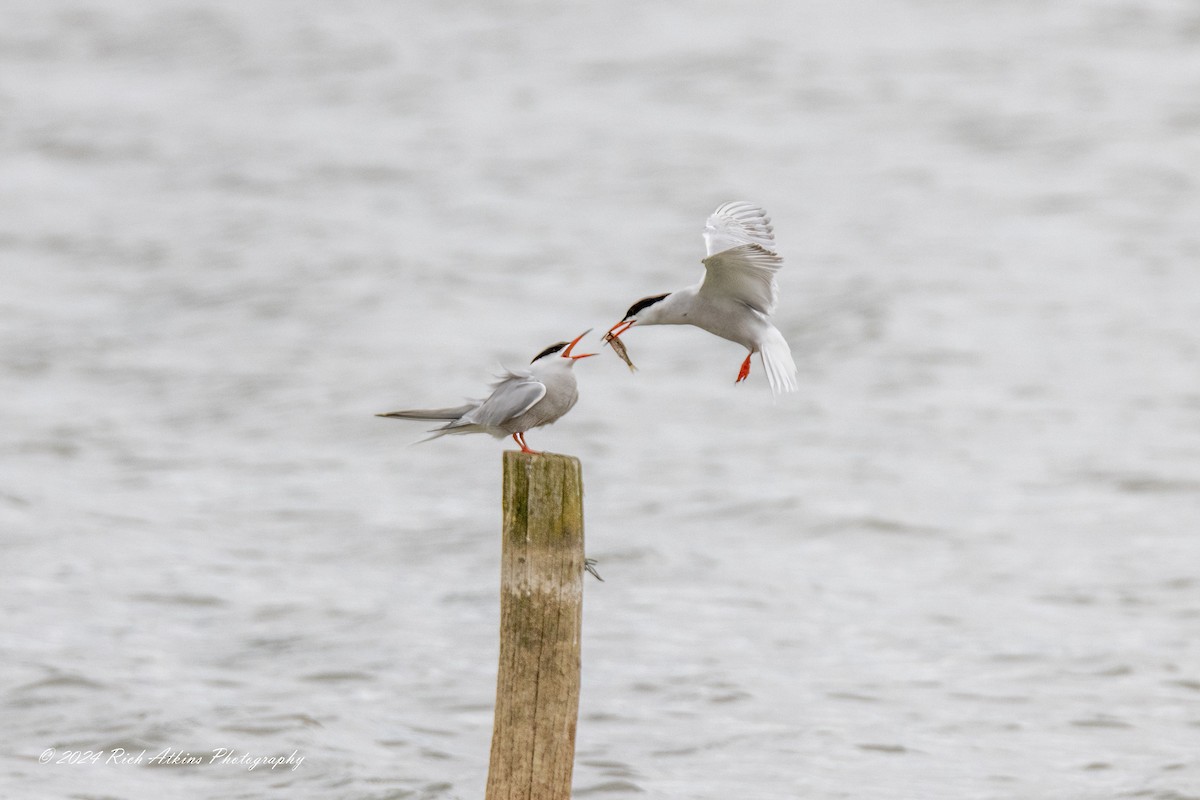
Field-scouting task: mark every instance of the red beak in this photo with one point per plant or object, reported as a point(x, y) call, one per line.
point(566, 353)
point(613, 333)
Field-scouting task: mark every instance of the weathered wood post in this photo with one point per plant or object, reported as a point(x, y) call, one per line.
point(541, 615)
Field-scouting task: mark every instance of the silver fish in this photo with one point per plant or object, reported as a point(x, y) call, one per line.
point(619, 348)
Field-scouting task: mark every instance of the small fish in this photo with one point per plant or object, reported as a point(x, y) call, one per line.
point(619, 348)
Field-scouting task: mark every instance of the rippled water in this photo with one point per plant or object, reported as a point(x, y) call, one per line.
point(960, 563)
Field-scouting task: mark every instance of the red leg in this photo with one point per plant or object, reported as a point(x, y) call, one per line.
point(745, 371)
point(519, 438)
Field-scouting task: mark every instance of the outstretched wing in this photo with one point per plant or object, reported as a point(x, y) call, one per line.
point(742, 261)
point(513, 395)
point(737, 223)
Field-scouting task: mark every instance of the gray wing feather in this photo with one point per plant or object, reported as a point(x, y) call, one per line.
point(512, 396)
point(745, 273)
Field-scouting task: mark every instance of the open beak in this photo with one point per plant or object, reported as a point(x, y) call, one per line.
point(613, 333)
point(566, 353)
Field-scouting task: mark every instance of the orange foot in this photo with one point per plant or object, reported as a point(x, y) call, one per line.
point(519, 438)
point(745, 371)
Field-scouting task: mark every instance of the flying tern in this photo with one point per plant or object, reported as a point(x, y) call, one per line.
point(736, 297)
point(521, 399)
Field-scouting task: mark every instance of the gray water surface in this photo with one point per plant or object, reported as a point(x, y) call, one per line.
point(962, 562)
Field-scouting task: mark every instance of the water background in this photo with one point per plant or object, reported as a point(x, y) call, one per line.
point(962, 562)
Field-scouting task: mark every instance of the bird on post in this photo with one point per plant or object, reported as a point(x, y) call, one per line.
point(734, 300)
point(521, 399)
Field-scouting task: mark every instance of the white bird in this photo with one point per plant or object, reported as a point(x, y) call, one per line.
point(520, 400)
point(736, 297)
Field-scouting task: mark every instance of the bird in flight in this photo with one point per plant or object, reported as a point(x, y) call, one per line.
point(735, 298)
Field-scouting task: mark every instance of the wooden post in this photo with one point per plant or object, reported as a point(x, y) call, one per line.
point(541, 615)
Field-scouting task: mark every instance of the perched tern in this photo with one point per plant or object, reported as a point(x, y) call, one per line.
point(736, 297)
point(520, 400)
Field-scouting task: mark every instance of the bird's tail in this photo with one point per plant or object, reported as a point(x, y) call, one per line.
point(451, 415)
point(777, 361)
point(429, 413)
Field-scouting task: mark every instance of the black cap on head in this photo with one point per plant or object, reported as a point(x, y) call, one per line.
point(645, 302)
point(551, 350)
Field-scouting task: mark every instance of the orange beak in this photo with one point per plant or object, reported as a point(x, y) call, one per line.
point(566, 353)
point(613, 333)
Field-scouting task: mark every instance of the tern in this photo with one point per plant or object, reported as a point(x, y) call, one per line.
point(736, 297)
point(520, 400)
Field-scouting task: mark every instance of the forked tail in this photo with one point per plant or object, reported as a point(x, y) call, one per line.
point(452, 416)
point(777, 361)
point(429, 413)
